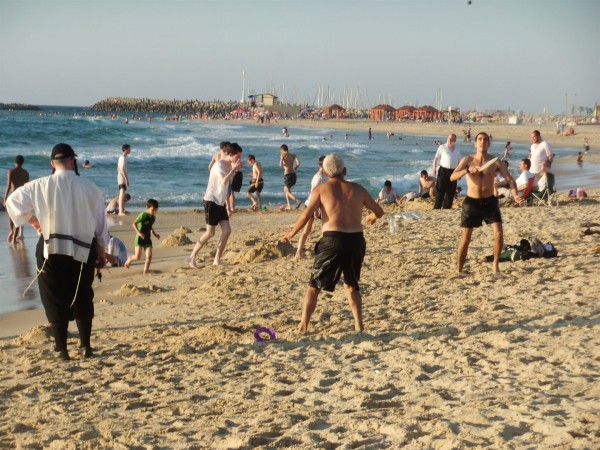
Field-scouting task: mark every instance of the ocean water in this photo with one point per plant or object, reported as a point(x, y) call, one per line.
point(169, 162)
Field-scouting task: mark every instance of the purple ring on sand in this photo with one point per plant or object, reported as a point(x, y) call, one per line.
point(269, 331)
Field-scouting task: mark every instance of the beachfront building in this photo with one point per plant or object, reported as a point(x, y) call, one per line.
point(262, 100)
point(334, 111)
point(426, 114)
point(382, 112)
point(405, 112)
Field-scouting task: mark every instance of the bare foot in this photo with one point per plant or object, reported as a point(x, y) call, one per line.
point(299, 256)
point(299, 204)
point(127, 264)
point(10, 236)
point(192, 263)
point(220, 263)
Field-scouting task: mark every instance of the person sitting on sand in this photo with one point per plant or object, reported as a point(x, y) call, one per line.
point(387, 195)
point(116, 252)
point(113, 205)
point(342, 247)
point(480, 204)
point(427, 184)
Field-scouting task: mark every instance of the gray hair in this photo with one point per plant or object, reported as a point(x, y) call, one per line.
point(334, 166)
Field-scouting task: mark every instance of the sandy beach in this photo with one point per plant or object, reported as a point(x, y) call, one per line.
point(445, 362)
point(501, 132)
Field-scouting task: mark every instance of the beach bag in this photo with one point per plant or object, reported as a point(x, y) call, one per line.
point(518, 252)
point(543, 250)
point(549, 251)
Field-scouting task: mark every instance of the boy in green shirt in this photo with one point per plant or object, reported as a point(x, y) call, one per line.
point(143, 230)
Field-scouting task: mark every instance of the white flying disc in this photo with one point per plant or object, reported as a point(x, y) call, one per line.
point(488, 164)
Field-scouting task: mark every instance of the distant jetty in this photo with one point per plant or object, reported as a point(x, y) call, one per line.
point(188, 108)
point(18, 107)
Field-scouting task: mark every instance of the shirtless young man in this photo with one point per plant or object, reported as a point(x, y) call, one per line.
point(15, 178)
point(342, 247)
point(426, 185)
point(290, 164)
point(480, 203)
point(257, 183)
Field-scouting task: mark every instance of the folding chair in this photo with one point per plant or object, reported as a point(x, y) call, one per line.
point(546, 196)
point(528, 192)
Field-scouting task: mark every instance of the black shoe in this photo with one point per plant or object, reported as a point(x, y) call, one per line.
point(63, 355)
point(86, 352)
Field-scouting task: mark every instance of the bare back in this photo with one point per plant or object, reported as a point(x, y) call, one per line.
point(341, 205)
point(17, 177)
point(287, 161)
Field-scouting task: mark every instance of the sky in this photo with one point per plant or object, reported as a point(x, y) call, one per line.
point(531, 55)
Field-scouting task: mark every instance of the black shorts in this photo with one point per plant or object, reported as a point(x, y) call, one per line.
point(289, 179)
point(58, 283)
point(252, 188)
point(123, 186)
point(476, 210)
point(338, 253)
point(237, 181)
point(214, 213)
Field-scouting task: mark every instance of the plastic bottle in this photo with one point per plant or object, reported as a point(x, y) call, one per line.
point(392, 225)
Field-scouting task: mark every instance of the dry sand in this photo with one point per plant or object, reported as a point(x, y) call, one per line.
point(445, 362)
point(500, 132)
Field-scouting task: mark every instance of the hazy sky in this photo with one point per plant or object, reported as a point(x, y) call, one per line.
point(519, 54)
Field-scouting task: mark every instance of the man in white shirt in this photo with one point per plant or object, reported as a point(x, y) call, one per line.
point(448, 156)
point(122, 177)
point(388, 194)
point(525, 176)
point(68, 213)
point(539, 152)
point(216, 206)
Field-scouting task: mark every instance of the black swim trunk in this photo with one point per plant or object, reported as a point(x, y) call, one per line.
point(123, 186)
point(252, 188)
point(338, 253)
point(476, 210)
point(213, 213)
point(289, 179)
point(237, 181)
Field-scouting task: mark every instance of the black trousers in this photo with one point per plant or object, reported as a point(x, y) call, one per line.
point(445, 190)
point(58, 285)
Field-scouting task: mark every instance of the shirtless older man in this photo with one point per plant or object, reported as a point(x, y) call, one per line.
point(480, 203)
point(342, 247)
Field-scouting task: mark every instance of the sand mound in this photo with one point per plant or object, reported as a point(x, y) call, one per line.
point(176, 240)
point(264, 252)
point(181, 230)
point(40, 333)
point(131, 290)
